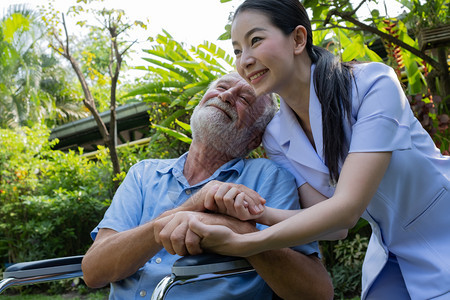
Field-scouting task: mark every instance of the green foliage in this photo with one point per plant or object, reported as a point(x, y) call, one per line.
point(428, 110)
point(343, 260)
point(351, 252)
point(346, 273)
point(33, 86)
point(346, 270)
point(49, 200)
point(427, 14)
point(131, 155)
point(181, 75)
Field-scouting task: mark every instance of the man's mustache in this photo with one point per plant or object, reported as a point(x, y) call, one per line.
point(226, 108)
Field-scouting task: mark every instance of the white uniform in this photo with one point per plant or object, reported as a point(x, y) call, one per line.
point(410, 212)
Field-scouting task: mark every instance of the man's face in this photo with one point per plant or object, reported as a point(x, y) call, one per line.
point(224, 116)
point(236, 99)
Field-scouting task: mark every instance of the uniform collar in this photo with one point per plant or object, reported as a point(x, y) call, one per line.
point(294, 140)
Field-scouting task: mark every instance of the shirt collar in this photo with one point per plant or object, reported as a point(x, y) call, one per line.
point(176, 166)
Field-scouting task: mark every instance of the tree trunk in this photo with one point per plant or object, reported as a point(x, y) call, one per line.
point(89, 100)
point(109, 137)
point(114, 73)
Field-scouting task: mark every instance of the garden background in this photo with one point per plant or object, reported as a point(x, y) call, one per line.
point(51, 199)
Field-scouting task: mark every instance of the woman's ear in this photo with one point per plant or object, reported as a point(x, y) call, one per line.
point(300, 38)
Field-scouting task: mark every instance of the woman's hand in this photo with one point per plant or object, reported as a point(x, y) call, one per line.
point(173, 233)
point(219, 239)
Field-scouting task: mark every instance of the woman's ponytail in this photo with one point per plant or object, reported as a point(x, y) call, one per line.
point(332, 81)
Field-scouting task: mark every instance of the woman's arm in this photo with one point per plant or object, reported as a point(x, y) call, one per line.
point(309, 196)
point(358, 182)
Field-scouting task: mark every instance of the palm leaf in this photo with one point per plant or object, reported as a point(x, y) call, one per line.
point(174, 71)
point(178, 135)
point(183, 125)
point(217, 52)
point(155, 87)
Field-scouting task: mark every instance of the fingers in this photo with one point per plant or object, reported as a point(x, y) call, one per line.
point(173, 234)
point(225, 198)
point(232, 199)
point(163, 230)
point(183, 241)
point(209, 200)
point(193, 243)
point(175, 244)
point(159, 225)
point(241, 207)
point(213, 237)
point(197, 227)
point(255, 201)
point(237, 200)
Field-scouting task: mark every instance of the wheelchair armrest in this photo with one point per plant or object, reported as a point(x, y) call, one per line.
point(190, 269)
point(44, 267)
point(41, 271)
point(208, 263)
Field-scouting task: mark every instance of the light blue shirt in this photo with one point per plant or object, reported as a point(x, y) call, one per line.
point(154, 186)
point(409, 213)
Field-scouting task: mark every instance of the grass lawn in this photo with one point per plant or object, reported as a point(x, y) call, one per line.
point(98, 295)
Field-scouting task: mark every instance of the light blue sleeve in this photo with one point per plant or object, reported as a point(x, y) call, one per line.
point(125, 211)
point(381, 111)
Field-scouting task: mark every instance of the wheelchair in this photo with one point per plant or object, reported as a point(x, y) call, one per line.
point(186, 270)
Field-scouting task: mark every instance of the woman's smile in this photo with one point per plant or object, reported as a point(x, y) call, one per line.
point(256, 76)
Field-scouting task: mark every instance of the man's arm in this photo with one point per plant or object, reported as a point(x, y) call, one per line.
point(116, 255)
point(290, 274)
point(293, 275)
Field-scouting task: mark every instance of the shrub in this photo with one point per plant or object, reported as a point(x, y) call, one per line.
point(344, 258)
point(49, 200)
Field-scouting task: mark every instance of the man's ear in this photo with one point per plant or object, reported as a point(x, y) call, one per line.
point(300, 38)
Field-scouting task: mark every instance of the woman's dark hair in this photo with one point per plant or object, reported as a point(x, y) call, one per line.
point(332, 78)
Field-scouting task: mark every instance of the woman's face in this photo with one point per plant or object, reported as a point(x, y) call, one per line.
point(264, 54)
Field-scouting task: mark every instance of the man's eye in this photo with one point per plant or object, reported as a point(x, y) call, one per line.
point(244, 99)
point(221, 87)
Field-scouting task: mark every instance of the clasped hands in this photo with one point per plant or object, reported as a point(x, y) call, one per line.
point(217, 203)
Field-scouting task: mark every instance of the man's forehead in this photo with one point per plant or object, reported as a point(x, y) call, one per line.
point(231, 78)
point(236, 79)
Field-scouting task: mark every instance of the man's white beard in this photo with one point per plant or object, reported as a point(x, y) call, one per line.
point(213, 127)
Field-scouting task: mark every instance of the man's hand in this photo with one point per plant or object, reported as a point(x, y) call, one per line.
point(173, 232)
point(235, 200)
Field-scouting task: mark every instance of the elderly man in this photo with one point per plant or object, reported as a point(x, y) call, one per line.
point(128, 250)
